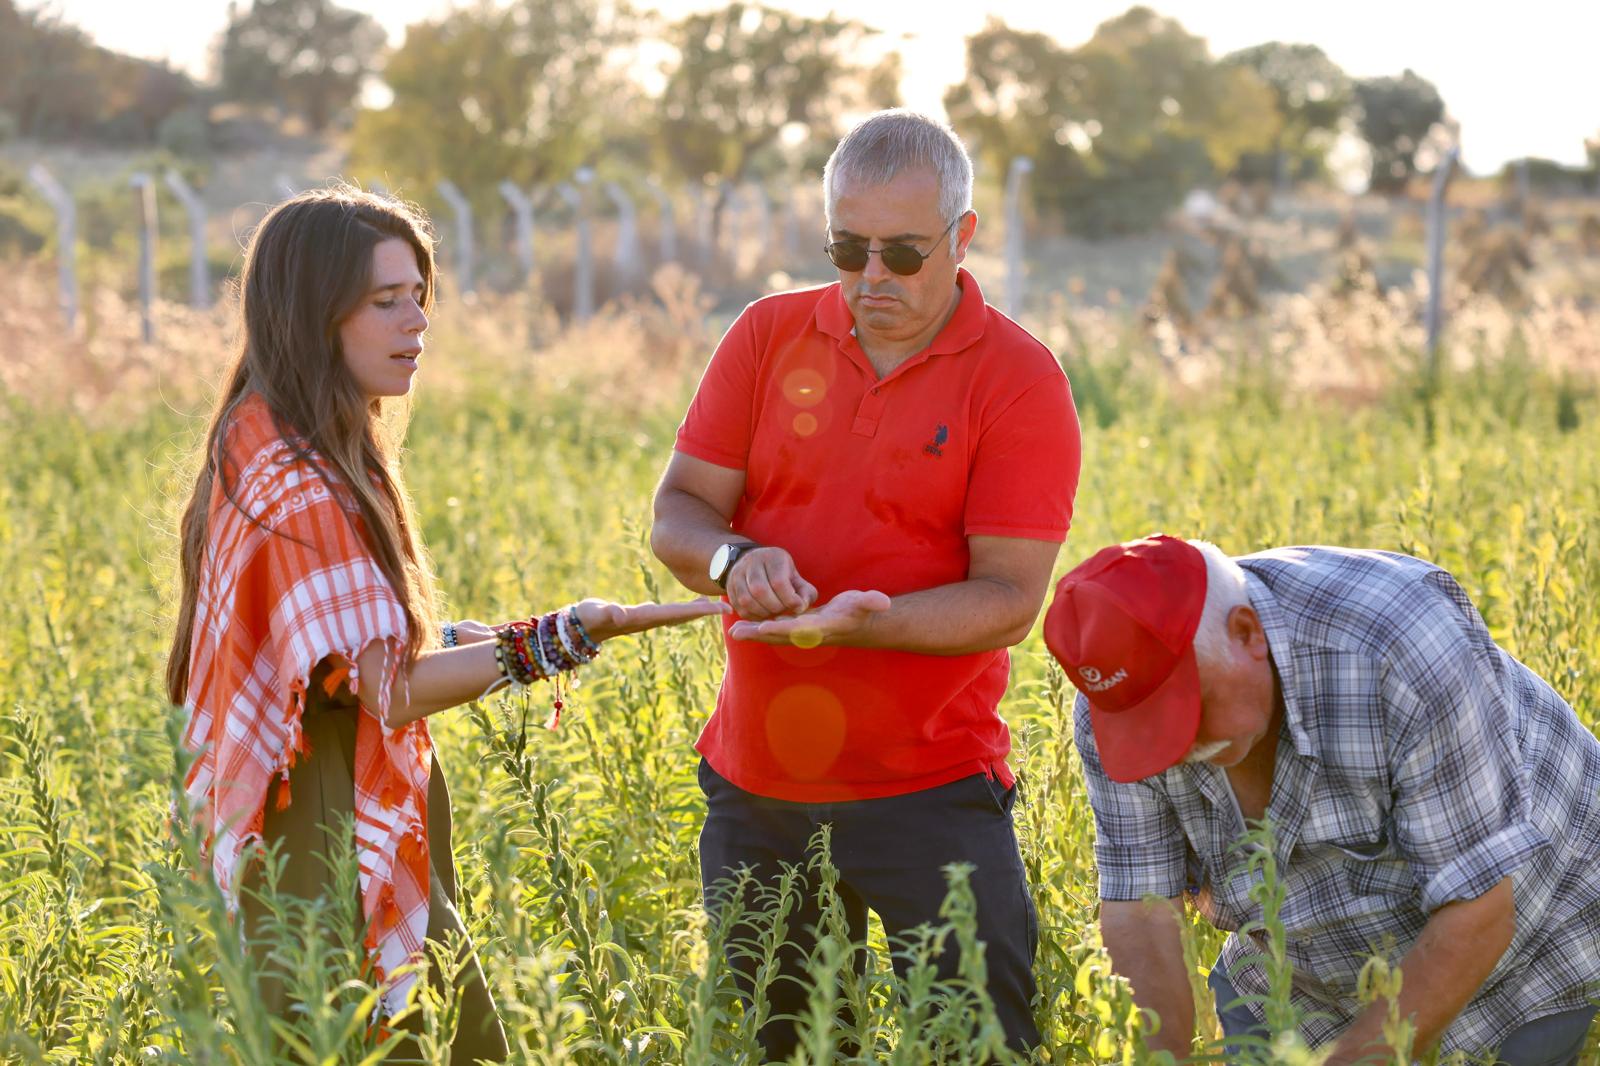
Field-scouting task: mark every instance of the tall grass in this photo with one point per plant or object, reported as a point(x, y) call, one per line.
point(579, 877)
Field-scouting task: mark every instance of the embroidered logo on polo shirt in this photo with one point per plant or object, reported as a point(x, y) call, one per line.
point(935, 446)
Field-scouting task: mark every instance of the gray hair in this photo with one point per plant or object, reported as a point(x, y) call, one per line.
point(886, 143)
point(1225, 590)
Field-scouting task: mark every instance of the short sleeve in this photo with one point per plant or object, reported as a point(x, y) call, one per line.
point(1025, 473)
point(1461, 810)
point(1139, 847)
point(721, 417)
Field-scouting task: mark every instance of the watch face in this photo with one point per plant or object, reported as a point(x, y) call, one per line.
point(719, 562)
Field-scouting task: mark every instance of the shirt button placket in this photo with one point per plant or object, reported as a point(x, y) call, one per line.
point(869, 412)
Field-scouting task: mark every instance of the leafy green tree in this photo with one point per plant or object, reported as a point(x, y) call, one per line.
point(1120, 128)
point(48, 77)
point(1018, 94)
point(14, 31)
point(526, 91)
point(307, 57)
point(1313, 95)
point(748, 73)
point(56, 83)
point(1146, 78)
point(1396, 115)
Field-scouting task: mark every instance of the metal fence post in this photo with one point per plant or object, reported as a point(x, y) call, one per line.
point(625, 256)
point(464, 250)
point(66, 238)
point(1436, 226)
point(705, 202)
point(195, 209)
point(791, 227)
point(761, 212)
point(144, 200)
point(669, 225)
point(1015, 282)
point(522, 211)
point(583, 272)
point(728, 240)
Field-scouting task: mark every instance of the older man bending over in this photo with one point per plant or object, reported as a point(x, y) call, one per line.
point(1427, 792)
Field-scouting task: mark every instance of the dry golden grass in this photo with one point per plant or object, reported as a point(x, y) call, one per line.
point(637, 351)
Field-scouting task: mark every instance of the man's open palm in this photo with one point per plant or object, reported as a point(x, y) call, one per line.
point(835, 622)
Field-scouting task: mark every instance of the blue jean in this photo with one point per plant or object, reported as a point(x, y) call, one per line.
point(1554, 1040)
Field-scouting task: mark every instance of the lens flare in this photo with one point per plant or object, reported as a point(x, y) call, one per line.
point(804, 387)
point(806, 636)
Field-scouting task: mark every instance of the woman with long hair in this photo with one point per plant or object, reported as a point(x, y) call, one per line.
point(307, 651)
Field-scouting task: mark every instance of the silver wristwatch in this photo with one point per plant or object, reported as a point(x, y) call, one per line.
point(723, 558)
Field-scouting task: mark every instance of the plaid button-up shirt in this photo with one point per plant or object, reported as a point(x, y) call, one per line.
point(1418, 763)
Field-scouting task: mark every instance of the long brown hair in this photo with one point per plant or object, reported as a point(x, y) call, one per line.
point(308, 266)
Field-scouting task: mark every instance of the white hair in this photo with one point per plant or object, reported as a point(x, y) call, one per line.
point(888, 142)
point(1225, 590)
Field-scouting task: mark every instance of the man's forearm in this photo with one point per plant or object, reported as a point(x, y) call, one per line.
point(1454, 954)
point(956, 619)
point(1147, 948)
point(686, 533)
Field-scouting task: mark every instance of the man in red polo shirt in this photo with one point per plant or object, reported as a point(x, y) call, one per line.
point(879, 474)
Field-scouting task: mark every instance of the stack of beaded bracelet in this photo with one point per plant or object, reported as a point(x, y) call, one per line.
point(544, 647)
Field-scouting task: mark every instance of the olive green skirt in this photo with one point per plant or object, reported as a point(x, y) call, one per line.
point(322, 806)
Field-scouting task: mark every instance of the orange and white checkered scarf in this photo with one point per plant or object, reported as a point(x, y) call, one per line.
point(273, 603)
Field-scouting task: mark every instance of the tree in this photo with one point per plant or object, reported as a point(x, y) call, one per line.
point(1396, 116)
point(1312, 94)
point(48, 74)
point(57, 83)
point(1017, 94)
point(747, 73)
point(524, 92)
point(306, 57)
point(1146, 78)
point(1120, 128)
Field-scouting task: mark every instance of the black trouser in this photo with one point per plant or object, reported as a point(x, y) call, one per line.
point(890, 854)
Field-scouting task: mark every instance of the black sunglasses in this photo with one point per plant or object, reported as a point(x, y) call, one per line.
point(902, 259)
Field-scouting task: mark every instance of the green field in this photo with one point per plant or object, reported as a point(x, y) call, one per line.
point(577, 847)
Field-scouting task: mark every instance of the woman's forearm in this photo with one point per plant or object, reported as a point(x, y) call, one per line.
point(438, 680)
point(449, 677)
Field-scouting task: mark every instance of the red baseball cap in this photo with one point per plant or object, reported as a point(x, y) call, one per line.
point(1122, 625)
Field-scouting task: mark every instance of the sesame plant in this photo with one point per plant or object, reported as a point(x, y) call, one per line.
point(576, 847)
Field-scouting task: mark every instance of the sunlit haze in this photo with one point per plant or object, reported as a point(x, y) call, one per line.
point(1521, 81)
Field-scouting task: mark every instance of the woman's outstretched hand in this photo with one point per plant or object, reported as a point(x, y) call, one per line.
point(606, 620)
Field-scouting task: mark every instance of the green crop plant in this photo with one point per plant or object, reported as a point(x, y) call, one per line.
point(579, 879)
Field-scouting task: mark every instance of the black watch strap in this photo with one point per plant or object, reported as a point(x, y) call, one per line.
point(735, 553)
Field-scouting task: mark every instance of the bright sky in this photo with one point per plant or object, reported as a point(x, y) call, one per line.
point(1521, 79)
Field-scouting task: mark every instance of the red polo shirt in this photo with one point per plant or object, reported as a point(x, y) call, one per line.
point(874, 484)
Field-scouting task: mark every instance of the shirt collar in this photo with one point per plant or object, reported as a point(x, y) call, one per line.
point(965, 328)
point(1281, 644)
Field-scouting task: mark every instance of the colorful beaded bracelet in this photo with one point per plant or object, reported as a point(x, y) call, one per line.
point(544, 647)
